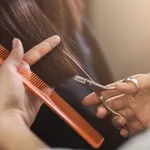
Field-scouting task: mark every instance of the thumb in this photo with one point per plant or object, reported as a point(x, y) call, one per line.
point(131, 88)
point(17, 53)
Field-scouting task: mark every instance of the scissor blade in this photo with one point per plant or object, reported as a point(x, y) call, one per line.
point(88, 81)
point(78, 66)
point(80, 79)
point(92, 84)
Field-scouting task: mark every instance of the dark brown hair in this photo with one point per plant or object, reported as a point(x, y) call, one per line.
point(65, 14)
point(25, 20)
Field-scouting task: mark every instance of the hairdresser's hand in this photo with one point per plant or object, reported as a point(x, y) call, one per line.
point(15, 99)
point(135, 108)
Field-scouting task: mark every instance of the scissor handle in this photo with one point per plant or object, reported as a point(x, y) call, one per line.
point(98, 91)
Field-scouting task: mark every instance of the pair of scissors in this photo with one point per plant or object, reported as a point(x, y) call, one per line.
point(96, 87)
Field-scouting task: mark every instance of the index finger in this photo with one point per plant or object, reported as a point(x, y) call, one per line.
point(40, 50)
point(93, 99)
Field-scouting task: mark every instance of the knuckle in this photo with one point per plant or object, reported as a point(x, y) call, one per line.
point(48, 44)
point(135, 127)
point(25, 65)
point(36, 51)
point(111, 104)
point(119, 121)
point(126, 99)
point(127, 113)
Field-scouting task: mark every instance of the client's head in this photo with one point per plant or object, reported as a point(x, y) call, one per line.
point(24, 19)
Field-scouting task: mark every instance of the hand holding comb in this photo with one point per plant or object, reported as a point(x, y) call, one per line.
point(58, 105)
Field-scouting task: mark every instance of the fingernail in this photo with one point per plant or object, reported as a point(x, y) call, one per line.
point(57, 38)
point(101, 112)
point(119, 121)
point(53, 41)
point(121, 84)
point(14, 42)
point(125, 135)
point(124, 132)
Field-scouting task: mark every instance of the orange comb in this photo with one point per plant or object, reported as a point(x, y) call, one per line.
point(57, 104)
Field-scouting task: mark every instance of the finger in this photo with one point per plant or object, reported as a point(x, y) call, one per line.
point(93, 98)
point(134, 127)
point(115, 103)
point(111, 93)
point(124, 132)
point(118, 102)
point(102, 112)
point(127, 88)
point(40, 50)
point(119, 122)
point(130, 88)
point(16, 54)
point(120, 81)
point(24, 69)
point(127, 113)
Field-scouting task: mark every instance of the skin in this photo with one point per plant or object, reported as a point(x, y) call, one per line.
point(19, 107)
point(132, 103)
point(40, 50)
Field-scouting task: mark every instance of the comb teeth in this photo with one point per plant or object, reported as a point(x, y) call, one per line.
point(3, 52)
point(29, 75)
point(33, 78)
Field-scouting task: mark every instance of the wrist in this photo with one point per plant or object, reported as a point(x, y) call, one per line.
point(11, 116)
point(16, 134)
point(11, 123)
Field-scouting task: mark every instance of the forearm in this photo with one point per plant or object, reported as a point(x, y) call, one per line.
point(15, 135)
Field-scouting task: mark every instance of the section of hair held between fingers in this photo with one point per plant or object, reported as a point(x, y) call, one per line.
point(40, 50)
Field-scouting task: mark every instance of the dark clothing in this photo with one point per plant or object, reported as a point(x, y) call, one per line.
point(140, 142)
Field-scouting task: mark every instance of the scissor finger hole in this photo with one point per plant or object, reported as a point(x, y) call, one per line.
point(108, 108)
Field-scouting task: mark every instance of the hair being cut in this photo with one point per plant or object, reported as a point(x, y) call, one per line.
point(25, 20)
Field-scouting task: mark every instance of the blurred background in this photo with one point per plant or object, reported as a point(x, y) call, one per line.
point(122, 28)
